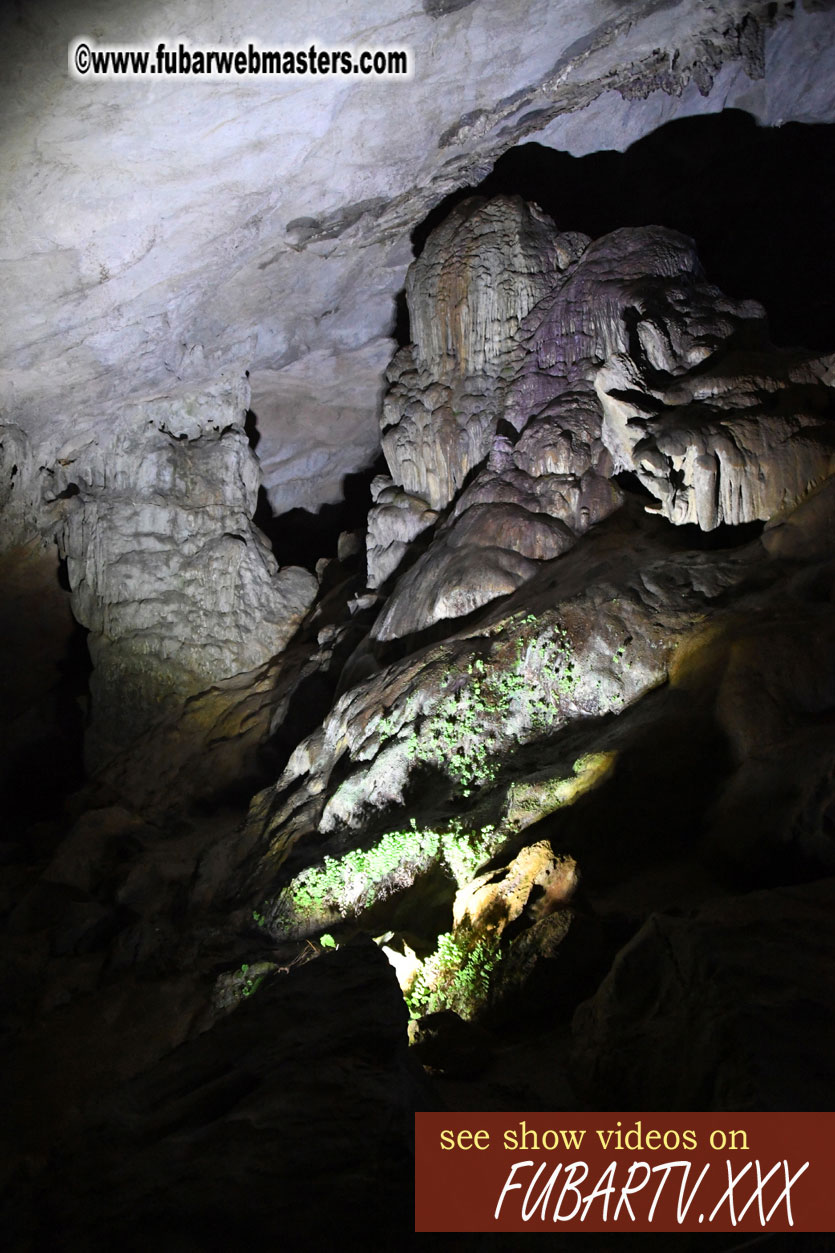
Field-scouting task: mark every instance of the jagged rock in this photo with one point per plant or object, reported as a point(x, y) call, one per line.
point(498, 897)
point(176, 586)
point(621, 614)
point(554, 958)
point(688, 397)
point(543, 792)
point(482, 270)
point(702, 1010)
point(585, 642)
point(433, 432)
point(394, 522)
point(528, 504)
point(722, 450)
point(221, 744)
point(480, 273)
point(19, 503)
point(693, 401)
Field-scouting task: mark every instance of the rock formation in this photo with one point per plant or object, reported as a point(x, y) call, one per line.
point(187, 244)
point(174, 583)
point(535, 773)
point(619, 357)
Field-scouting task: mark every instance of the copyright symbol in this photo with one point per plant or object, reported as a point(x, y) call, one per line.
point(82, 58)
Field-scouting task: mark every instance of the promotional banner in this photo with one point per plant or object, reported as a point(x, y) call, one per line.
point(749, 1172)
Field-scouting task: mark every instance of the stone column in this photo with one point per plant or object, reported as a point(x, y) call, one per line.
point(175, 584)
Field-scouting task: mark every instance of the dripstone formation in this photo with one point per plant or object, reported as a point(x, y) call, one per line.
point(174, 583)
point(534, 384)
point(545, 790)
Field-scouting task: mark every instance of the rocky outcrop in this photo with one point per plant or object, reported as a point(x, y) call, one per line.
point(481, 273)
point(715, 424)
point(482, 270)
point(528, 504)
point(19, 497)
point(628, 665)
point(535, 876)
point(517, 408)
point(458, 707)
point(176, 586)
point(394, 523)
point(590, 636)
point(124, 274)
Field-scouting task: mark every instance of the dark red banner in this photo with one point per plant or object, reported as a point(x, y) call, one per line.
point(625, 1172)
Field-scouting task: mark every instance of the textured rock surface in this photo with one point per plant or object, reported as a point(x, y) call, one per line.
point(693, 401)
point(494, 899)
point(603, 629)
point(593, 633)
point(174, 583)
point(182, 1063)
point(155, 222)
point(481, 272)
point(595, 358)
point(396, 520)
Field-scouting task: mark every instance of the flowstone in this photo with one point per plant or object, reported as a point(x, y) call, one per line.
point(176, 586)
point(545, 364)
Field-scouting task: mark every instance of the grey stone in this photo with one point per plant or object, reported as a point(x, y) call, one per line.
point(176, 586)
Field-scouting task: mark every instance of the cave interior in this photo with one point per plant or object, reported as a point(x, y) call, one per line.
point(503, 781)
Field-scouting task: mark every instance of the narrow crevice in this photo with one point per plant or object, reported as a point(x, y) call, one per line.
point(302, 538)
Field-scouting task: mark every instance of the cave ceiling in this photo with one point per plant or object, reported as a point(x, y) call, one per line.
point(157, 233)
point(504, 775)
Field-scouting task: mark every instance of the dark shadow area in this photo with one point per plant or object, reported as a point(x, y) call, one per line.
point(401, 331)
point(689, 536)
point(42, 726)
point(758, 201)
point(301, 538)
point(672, 763)
point(306, 710)
point(251, 430)
point(692, 537)
point(72, 698)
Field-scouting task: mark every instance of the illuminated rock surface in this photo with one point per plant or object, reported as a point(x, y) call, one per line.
point(552, 723)
point(176, 586)
point(166, 229)
point(623, 358)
